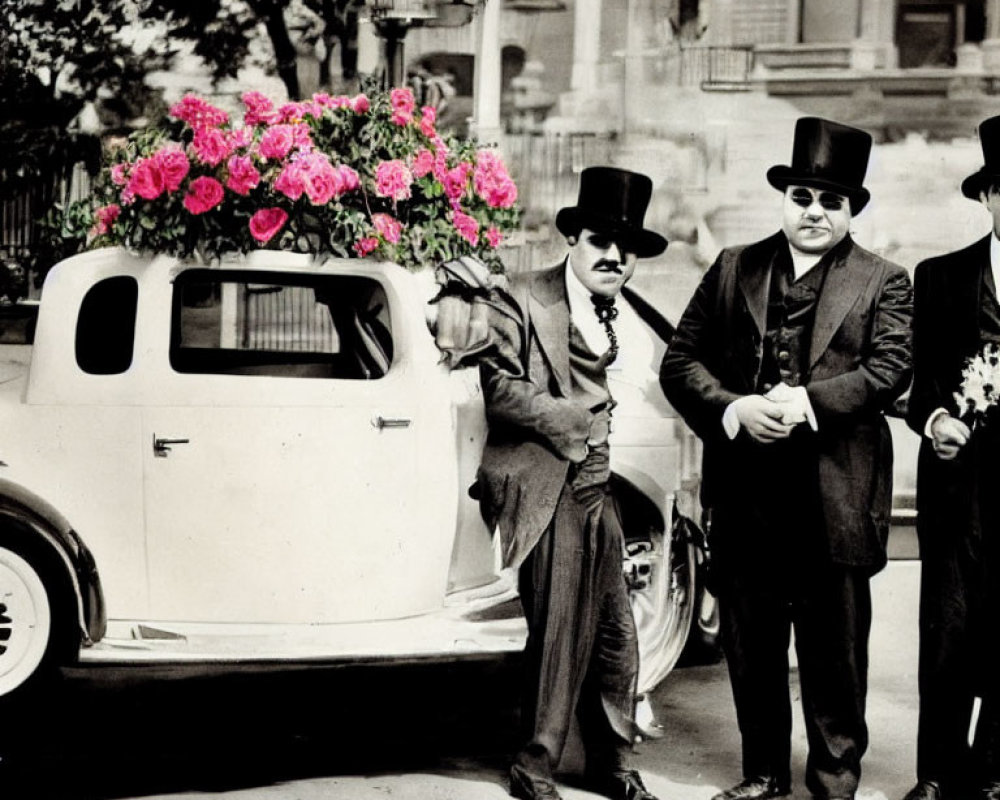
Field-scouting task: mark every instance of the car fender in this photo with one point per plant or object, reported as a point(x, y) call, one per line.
point(51, 527)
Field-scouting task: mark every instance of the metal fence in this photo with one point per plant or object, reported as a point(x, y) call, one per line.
point(285, 318)
point(20, 215)
point(710, 66)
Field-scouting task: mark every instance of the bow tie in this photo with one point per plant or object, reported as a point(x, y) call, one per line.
point(606, 312)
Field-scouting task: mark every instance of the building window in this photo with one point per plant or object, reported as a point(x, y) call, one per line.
point(929, 31)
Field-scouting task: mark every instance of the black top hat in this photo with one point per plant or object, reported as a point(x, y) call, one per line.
point(613, 202)
point(989, 138)
point(827, 155)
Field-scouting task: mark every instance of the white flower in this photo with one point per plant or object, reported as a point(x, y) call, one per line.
point(980, 388)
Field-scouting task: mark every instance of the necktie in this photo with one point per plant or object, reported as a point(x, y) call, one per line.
point(606, 314)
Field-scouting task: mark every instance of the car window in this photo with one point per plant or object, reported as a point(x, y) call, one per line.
point(105, 326)
point(280, 325)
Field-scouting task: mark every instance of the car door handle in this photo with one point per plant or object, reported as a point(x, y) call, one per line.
point(382, 423)
point(162, 446)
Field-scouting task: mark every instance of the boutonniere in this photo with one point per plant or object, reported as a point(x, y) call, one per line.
point(980, 387)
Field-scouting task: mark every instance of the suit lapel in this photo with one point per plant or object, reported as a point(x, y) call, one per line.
point(846, 279)
point(754, 272)
point(550, 317)
point(969, 289)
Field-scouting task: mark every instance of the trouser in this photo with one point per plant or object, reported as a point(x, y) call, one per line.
point(830, 610)
point(954, 635)
point(581, 655)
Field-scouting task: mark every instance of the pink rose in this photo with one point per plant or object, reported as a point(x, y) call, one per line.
point(319, 179)
point(423, 163)
point(492, 182)
point(239, 138)
point(267, 222)
point(301, 137)
point(349, 178)
point(210, 146)
point(456, 180)
point(119, 174)
point(203, 195)
point(173, 166)
point(243, 176)
point(277, 141)
point(146, 180)
point(428, 117)
point(198, 113)
point(403, 104)
point(360, 104)
point(259, 109)
point(393, 179)
point(493, 236)
point(289, 181)
point(105, 217)
point(466, 226)
point(291, 112)
point(365, 246)
point(389, 228)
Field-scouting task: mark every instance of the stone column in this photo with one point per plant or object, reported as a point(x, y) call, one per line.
point(874, 46)
point(486, 114)
point(991, 44)
point(586, 44)
point(793, 24)
point(369, 47)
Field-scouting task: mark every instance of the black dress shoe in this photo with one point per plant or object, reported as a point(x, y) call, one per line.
point(625, 785)
point(528, 787)
point(991, 791)
point(758, 787)
point(924, 790)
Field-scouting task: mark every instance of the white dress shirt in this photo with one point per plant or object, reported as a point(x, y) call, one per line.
point(637, 350)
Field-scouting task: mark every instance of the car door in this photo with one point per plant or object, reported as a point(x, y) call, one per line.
point(285, 481)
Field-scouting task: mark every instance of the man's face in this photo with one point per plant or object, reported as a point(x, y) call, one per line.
point(814, 220)
point(991, 199)
point(600, 263)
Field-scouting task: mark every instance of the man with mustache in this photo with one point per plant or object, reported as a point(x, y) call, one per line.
point(544, 486)
point(784, 362)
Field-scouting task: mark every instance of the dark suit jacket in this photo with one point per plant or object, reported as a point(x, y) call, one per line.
point(536, 429)
point(947, 302)
point(858, 364)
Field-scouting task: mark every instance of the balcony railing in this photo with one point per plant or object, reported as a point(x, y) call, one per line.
point(714, 67)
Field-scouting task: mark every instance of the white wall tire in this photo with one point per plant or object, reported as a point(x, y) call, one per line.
point(26, 622)
point(662, 594)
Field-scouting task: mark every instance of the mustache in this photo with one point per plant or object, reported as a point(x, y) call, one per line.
point(611, 266)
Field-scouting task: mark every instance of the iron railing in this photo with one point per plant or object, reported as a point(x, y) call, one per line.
point(711, 66)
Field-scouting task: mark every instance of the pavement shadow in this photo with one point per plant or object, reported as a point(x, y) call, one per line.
point(101, 733)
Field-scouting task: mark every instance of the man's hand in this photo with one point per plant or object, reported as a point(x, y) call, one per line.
point(761, 418)
point(948, 436)
point(795, 404)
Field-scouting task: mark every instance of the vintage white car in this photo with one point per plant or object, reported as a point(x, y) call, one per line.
point(266, 461)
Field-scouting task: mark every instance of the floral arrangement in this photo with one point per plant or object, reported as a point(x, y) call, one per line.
point(980, 388)
point(347, 176)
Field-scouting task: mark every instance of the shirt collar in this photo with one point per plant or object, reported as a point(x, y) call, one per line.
point(994, 254)
point(577, 294)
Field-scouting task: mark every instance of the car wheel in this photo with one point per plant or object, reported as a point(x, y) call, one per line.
point(660, 572)
point(33, 627)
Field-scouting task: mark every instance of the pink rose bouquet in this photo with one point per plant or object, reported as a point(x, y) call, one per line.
point(358, 177)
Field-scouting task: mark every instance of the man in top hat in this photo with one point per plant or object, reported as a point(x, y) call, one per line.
point(544, 487)
point(956, 313)
point(784, 362)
